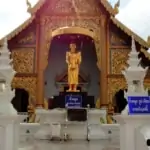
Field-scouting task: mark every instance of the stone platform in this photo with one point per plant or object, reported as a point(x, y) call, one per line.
point(74, 145)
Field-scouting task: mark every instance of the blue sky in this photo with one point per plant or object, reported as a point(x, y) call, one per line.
point(133, 13)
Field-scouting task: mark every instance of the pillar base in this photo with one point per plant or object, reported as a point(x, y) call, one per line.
point(128, 126)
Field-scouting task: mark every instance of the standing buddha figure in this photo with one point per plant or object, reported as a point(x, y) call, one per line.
point(73, 59)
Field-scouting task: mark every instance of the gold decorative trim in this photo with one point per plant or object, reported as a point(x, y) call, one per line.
point(129, 32)
point(37, 6)
point(23, 60)
point(73, 30)
point(54, 26)
point(27, 83)
point(18, 30)
point(117, 83)
point(28, 38)
point(114, 85)
point(118, 60)
point(105, 3)
point(108, 7)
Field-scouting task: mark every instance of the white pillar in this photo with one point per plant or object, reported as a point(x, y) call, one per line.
point(128, 124)
point(9, 132)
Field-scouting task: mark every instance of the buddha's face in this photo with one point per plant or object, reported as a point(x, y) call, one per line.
point(73, 47)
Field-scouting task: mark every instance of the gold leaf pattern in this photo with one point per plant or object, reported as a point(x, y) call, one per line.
point(119, 59)
point(23, 60)
point(27, 83)
point(52, 23)
point(27, 39)
point(114, 85)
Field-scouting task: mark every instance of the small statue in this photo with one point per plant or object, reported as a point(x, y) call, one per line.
point(73, 59)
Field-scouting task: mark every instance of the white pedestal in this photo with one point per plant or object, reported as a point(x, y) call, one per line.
point(28, 130)
point(48, 117)
point(9, 132)
point(75, 130)
point(128, 126)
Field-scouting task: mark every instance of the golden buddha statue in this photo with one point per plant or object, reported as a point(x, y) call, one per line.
point(73, 59)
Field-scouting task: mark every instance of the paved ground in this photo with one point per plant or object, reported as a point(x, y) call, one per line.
point(73, 145)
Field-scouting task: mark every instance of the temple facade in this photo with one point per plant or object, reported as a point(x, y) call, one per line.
point(32, 44)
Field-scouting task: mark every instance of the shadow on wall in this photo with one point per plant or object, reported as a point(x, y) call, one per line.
point(21, 100)
point(120, 101)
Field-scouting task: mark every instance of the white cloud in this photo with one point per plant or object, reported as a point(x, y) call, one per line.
point(136, 15)
point(133, 13)
point(12, 14)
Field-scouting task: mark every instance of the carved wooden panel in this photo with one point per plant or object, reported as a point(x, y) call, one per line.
point(114, 85)
point(118, 60)
point(116, 40)
point(52, 23)
point(23, 60)
point(76, 6)
point(62, 7)
point(27, 83)
point(79, 4)
point(27, 39)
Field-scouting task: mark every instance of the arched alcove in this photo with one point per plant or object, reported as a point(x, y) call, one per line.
point(57, 63)
point(120, 101)
point(21, 100)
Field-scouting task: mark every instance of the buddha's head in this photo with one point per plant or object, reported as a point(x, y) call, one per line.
point(72, 47)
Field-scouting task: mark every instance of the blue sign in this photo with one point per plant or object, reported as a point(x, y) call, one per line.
point(73, 101)
point(139, 104)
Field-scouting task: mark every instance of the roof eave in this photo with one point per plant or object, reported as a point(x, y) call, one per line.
point(130, 33)
point(18, 30)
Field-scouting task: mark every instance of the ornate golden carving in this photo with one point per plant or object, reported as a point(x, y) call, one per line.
point(27, 83)
point(61, 7)
point(78, 6)
point(129, 32)
point(114, 85)
point(116, 40)
point(147, 84)
point(119, 60)
point(23, 60)
point(28, 38)
point(53, 23)
point(75, 6)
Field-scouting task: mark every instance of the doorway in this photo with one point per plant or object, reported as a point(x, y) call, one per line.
point(21, 100)
point(120, 101)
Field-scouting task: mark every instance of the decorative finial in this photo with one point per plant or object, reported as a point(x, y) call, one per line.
point(28, 5)
point(116, 7)
point(148, 40)
point(133, 46)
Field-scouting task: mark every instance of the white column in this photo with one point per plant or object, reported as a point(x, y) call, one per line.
point(9, 132)
point(128, 124)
